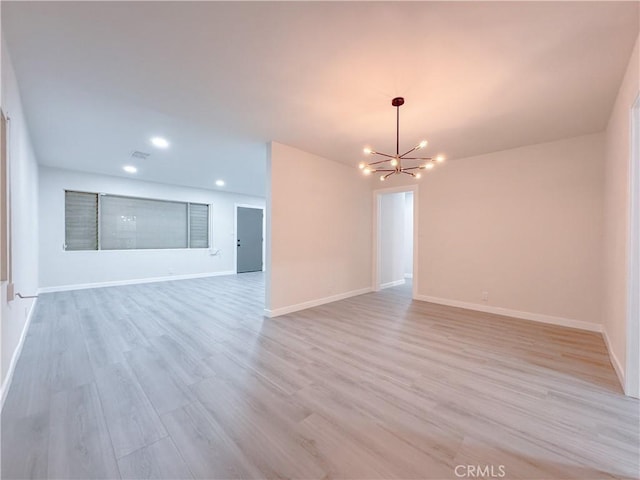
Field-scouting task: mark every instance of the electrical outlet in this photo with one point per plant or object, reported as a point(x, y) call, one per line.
point(485, 296)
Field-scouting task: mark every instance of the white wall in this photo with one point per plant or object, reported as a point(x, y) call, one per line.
point(61, 268)
point(616, 213)
point(24, 217)
point(319, 230)
point(523, 224)
point(408, 234)
point(392, 239)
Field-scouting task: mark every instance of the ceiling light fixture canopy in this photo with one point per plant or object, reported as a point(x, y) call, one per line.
point(392, 164)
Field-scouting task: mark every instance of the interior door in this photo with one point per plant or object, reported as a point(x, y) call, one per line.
point(249, 240)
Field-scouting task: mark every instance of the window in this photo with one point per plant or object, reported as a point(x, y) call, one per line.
point(198, 225)
point(81, 221)
point(134, 223)
point(112, 222)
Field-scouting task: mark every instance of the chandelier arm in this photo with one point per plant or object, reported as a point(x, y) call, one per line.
point(376, 163)
point(382, 170)
point(417, 158)
point(411, 168)
point(409, 151)
point(389, 174)
point(383, 154)
point(408, 173)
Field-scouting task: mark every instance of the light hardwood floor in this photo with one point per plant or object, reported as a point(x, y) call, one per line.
point(187, 379)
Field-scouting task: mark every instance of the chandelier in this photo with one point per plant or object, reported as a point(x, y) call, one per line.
point(393, 164)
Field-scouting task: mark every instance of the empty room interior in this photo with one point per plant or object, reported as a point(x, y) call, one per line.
point(320, 240)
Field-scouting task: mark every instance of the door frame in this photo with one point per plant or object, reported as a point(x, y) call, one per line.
point(235, 233)
point(632, 367)
point(376, 254)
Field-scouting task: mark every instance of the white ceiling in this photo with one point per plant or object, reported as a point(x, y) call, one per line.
point(219, 80)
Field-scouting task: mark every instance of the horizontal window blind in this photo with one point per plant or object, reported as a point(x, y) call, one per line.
point(81, 221)
point(136, 223)
point(198, 225)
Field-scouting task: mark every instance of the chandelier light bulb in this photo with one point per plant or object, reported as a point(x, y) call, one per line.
point(429, 166)
point(394, 162)
point(382, 178)
point(422, 144)
point(439, 159)
point(366, 171)
point(367, 151)
point(418, 175)
point(361, 165)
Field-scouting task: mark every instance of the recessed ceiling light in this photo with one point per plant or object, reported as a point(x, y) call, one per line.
point(130, 169)
point(159, 142)
point(220, 183)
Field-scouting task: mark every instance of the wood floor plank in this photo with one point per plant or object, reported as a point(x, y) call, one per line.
point(79, 443)
point(206, 447)
point(68, 363)
point(160, 461)
point(132, 421)
point(105, 346)
point(340, 455)
point(342, 422)
point(25, 446)
point(271, 444)
point(258, 390)
point(187, 366)
point(163, 388)
point(30, 393)
point(342, 400)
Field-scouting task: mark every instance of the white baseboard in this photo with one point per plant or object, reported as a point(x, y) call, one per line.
point(617, 366)
point(408, 275)
point(117, 283)
point(395, 283)
point(6, 384)
point(536, 317)
point(314, 303)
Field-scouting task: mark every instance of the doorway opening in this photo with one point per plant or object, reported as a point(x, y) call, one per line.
point(632, 374)
point(249, 234)
point(395, 238)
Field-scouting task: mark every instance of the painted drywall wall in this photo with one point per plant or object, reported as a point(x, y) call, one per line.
point(318, 230)
point(524, 225)
point(392, 239)
point(408, 234)
point(23, 178)
point(616, 213)
point(61, 268)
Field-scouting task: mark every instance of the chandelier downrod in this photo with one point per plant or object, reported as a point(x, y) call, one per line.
point(398, 129)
